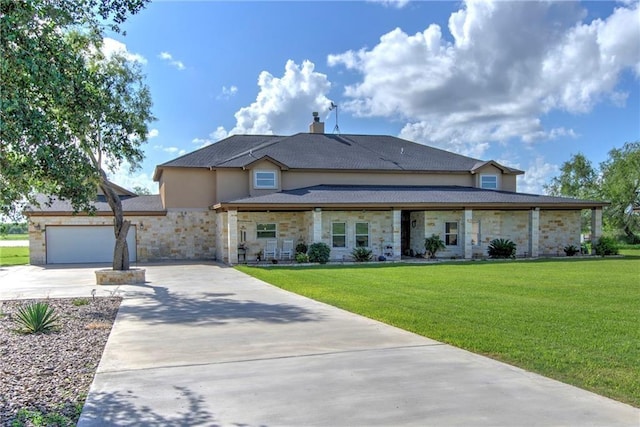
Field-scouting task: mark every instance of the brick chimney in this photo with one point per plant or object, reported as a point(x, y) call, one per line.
point(316, 126)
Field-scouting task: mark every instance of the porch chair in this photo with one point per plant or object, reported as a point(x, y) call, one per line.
point(271, 250)
point(287, 249)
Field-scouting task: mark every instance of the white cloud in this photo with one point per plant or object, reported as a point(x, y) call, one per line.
point(283, 104)
point(228, 92)
point(503, 67)
point(172, 150)
point(215, 136)
point(153, 133)
point(174, 62)
point(111, 47)
point(398, 4)
point(537, 174)
point(124, 178)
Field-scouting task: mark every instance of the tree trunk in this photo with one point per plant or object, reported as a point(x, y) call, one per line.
point(120, 226)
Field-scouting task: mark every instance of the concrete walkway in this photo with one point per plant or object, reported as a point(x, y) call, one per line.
point(206, 345)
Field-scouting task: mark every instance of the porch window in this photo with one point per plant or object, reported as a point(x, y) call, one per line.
point(264, 179)
point(451, 233)
point(490, 182)
point(266, 231)
point(339, 234)
point(475, 233)
point(362, 234)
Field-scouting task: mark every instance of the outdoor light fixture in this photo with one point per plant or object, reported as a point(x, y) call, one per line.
point(413, 224)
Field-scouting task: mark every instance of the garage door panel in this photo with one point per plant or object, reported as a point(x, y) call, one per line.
point(84, 244)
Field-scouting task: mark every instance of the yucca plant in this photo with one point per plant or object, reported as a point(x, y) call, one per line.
point(502, 248)
point(433, 244)
point(36, 317)
point(361, 254)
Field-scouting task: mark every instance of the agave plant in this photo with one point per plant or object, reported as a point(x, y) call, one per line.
point(36, 317)
point(502, 248)
point(433, 244)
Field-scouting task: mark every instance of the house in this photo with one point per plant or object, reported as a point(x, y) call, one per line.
point(374, 191)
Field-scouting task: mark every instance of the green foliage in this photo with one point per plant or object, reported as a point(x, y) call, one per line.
point(578, 328)
point(433, 244)
point(301, 248)
point(585, 248)
point(14, 228)
point(141, 191)
point(36, 317)
point(606, 246)
point(502, 248)
point(50, 84)
point(302, 258)
point(319, 252)
point(361, 254)
point(26, 417)
point(571, 250)
point(79, 302)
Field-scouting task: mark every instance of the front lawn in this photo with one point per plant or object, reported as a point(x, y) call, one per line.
point(14, 255)
point(574, 320)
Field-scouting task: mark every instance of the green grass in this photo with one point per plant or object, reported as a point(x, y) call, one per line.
point(574, 320)
point(14, 237)
point(14, 255)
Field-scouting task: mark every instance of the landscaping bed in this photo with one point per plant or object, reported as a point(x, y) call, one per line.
point(46, 376)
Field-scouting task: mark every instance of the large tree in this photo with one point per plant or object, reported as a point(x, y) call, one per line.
point(577, 179)
point(67, 113)
point(621, 186)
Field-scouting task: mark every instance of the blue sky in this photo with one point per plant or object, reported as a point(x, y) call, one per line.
point(527, 84)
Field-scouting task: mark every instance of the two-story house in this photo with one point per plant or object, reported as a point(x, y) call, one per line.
point(379, 192)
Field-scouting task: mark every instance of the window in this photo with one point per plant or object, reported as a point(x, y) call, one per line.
point(339, 235)
point(264, 179)
point(266, 231)
point(362, 234)
point(451, 233)
point(475, 233)
point(490, 182)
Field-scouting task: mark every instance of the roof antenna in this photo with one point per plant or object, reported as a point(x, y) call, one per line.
point(336, 128)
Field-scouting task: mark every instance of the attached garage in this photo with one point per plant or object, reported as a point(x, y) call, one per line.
point(68, 244)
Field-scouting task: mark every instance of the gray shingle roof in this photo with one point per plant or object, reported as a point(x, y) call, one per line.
point(354, 195)
point(150, 204)
point(328, 151)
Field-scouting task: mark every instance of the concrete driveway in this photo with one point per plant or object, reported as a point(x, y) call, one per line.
point(202, 344)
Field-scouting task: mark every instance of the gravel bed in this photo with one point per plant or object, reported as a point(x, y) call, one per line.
point(51, 373)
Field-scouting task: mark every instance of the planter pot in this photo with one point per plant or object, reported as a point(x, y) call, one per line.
point(116, 277)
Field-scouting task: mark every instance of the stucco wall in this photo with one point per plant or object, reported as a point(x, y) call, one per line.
point(179, 235)
point(188, 188)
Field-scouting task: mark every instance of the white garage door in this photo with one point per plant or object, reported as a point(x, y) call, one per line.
point(83, 244)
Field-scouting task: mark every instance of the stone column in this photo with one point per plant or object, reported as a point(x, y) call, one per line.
point(534, 232)
point(467, 229)
point(232, 236)
point(596, 227)
point(397, 234)
point(317, 226)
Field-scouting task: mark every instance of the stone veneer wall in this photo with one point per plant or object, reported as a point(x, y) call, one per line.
point(179, 235)
point(380, 230)
point(434, 223)
point(557, 230)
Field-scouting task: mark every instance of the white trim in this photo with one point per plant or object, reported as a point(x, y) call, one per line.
point(355, 234)
point(457, 233)
point(343, 235)
point(265, 171)
point(481, 184)
point(266, 231)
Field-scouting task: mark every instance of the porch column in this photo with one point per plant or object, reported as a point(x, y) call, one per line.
point(468, 233)
point(534, 232)
point(317, 225)
point(596, 227)
point(232, 236)
point(397, 234)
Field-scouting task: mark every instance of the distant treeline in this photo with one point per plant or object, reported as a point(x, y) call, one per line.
point(14, 228)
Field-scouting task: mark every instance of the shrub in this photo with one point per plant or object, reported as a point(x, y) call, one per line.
point(606, 246)
point(432, 245)
point(302, 257)
point(319, 252)
point(571, 250)
point(80, 302)
point(502, 248)
point(301, 248)
point(361, 254)
point(36, 317)
point(585, 248)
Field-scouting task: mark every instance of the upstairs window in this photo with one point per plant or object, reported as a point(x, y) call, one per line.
point(362, 234)
point(489, 182)
point(451, 233)
point(339, 234)
point(264, 179)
